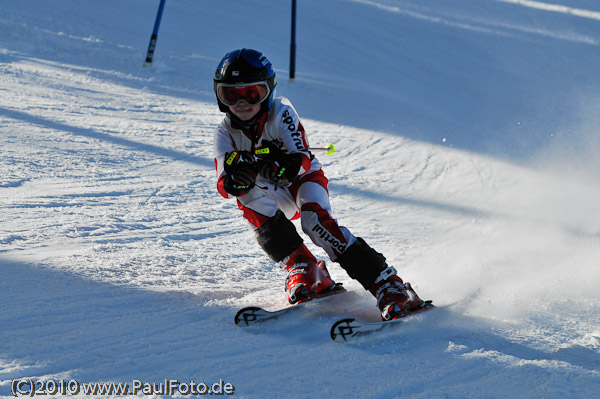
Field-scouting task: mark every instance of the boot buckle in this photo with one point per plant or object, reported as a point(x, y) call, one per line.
point(387, 272)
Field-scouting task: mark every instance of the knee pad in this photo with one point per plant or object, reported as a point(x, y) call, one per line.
point(278, 237)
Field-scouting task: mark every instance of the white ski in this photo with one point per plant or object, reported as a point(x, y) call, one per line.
point(350, 329)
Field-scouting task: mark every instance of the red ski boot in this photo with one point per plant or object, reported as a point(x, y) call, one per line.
point(394, 297)
point(306, 277)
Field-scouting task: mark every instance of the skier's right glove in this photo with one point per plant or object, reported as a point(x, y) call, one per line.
point(239, 182)
point(241, 173)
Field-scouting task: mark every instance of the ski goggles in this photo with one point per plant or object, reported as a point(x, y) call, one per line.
point(252, 93)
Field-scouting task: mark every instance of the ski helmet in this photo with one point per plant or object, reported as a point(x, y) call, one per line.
point(245, 66)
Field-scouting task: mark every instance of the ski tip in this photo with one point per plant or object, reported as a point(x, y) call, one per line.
point(350, 329)
point(340, 329)
point(244, 317)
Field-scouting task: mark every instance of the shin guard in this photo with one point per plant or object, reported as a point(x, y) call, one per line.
point(362, 263)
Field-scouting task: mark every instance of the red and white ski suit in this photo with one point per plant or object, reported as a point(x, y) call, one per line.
point(307, 197)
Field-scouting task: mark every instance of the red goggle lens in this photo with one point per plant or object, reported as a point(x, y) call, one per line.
point(252, 94)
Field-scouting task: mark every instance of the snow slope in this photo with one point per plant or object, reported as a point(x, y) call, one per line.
point(467, 141)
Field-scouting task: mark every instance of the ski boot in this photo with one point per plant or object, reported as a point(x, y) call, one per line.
point(395, 298)
point(306, 277)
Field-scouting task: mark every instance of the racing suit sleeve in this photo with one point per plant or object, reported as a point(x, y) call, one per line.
point(223, 144)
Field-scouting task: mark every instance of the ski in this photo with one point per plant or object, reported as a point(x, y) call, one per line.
point(350, 329)
point(252, 315)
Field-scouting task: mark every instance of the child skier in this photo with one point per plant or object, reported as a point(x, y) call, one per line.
point(263, 159)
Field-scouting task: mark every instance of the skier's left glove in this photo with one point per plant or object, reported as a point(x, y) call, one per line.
point(275, 164)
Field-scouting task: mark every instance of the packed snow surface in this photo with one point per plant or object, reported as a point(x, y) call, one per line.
point(467, 142)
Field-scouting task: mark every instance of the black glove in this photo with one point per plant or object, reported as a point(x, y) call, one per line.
point(275, 164)
point(241, 173)
point(275, 170)
point(239, 182)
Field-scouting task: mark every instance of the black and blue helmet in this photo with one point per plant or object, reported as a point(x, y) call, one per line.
point(245, 66)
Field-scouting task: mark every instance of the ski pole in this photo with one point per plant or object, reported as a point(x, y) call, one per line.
point(329, 150)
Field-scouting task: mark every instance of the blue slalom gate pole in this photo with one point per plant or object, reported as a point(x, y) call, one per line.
point(293, 43)
point(154, 37)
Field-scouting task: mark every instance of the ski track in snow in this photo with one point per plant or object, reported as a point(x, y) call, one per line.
point(120, 261)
